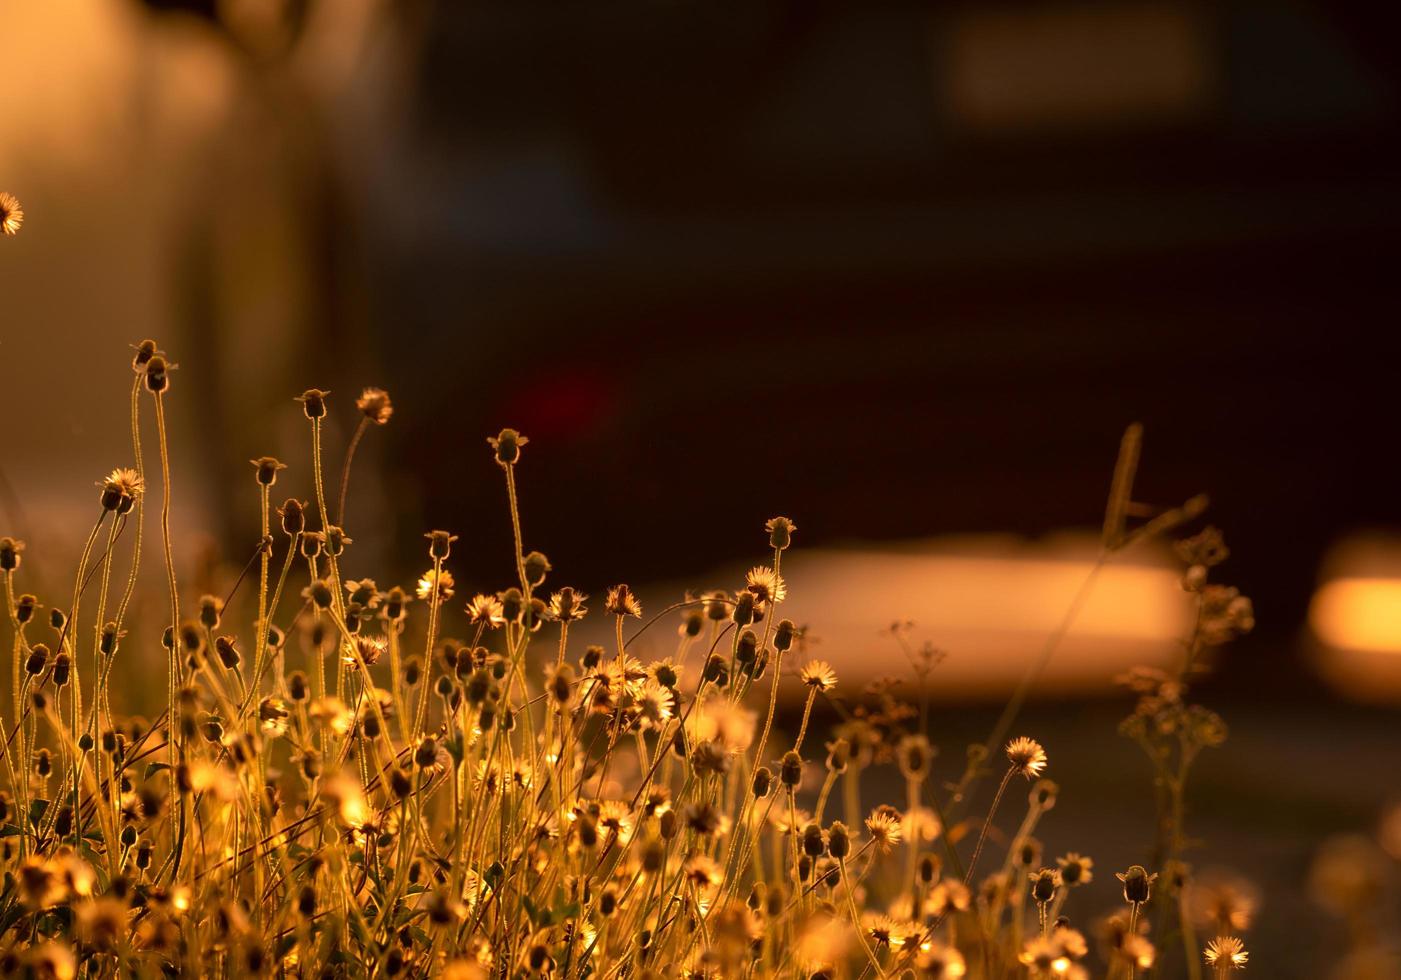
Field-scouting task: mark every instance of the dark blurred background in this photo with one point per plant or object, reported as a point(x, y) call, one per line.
point(900, 270)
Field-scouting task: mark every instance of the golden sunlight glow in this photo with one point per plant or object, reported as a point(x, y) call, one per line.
point(1359, 614)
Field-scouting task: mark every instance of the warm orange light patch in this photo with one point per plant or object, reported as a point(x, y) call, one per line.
point(1359, 614)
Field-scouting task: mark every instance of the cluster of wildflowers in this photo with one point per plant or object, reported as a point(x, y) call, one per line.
point(438, 780)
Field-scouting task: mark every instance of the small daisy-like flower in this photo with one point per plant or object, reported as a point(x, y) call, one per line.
point(615, 817)
point(11, 214)
point(438, 584)
point(885, 930)
point(704, 872)
point(1075, 869)
point(566, 605)
point(884, 826)
point(1044, 958)
point(766, 584)
point(1027, 756)
point(485, 610)
point(655, 704)
point(939, 962)
point(375, 405)
point(1226, 952)
point(819, 674)
point(622, 602)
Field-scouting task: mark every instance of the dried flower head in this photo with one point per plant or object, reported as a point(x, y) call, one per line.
point(267, 468)
point(313, 403)
point(11, 214)
point(375, 405)
point(121, 489)
point(507, 444)
point(1137, 884)
point(1027, 756)
point(622, 602)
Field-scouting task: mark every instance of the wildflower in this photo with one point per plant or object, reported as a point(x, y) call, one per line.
point(622, 602)
point(11, 213)
point(1226, 953)
point(938, 962)
point(885, 930)
point(485, 610)
point(272, 716)
point(313, 403)
point(790, 769)
point(948, 896)
point(370, 648)
point(10, 549)
point(703, 872)
point(1138, 950)
point(1044, 884)
point(536, 567)
point(566, 605)
point(25, 607)
point(158, 374)
point(1222, 901)
point(1027, 756)
point(1137, 884)
point(655, 705)
point(766, 585)
point(52, 960)
point(437, 584)
point(780, 532)
point(819, 675)
point(508, 446)
point(884, 826)
point(121, 489)
point(319, 594)
point(375, 405)
point(1075, 869)
point(920, 824)
point(293, 514)
point(1044, 958)
point(914, 754)
point(267, 468)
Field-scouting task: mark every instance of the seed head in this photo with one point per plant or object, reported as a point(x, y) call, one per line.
point(375, 405)
point(266, 468)
point(508, 446)
point(780, 532)
point(440, 544)
point(1137, 884)
point(158, 374)
point(790, 769)
point(293, 514)
point(313, 403)
point(10, 549)
point(121, 489)
point(819, 675)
